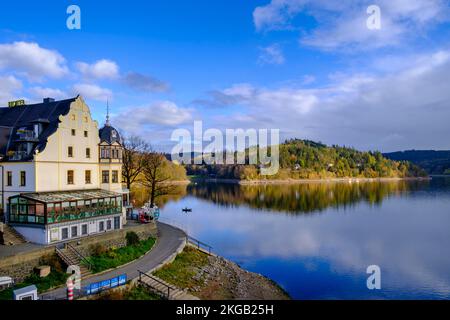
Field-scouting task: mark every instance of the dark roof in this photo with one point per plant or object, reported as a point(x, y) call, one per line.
point(109, 134)
point(23, 117)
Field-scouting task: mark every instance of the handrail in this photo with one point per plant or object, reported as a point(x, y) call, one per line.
point(62, 255)
point(157, 280)
point(199, 243)
point(83, 258)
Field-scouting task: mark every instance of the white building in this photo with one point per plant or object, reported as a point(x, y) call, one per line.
point(61, 175)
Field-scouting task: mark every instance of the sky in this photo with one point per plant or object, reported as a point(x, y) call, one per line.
point(310, 68)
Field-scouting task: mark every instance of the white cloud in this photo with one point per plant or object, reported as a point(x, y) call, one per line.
point(141, 82)
point(9, 86)
point(405, 109)
point(271, 55)
point(92, 91)
point(101, 69)
point(31, 60)
point(342, 24)
point(160, 114)
point(40, 92)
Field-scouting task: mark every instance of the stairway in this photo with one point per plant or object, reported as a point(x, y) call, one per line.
point(161, 287)
point(72, 258)
point(11, 237)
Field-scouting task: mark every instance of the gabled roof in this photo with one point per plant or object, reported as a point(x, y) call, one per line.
point(24, 117)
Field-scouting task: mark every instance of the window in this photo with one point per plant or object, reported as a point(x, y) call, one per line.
point(101, 226)
point(85, 134)
point(108, 225)
point(73, 117)
point(70, 152)
point(105, 176)
point(70, 177)
point(87, 176)
point(9, 179)
point(84, 229)
point(116, 223)
point(23, 178)
point(88, 153)
point(85, 119)
point(74, 231)
point(115, 176)
point(64, 233)
point(73, 132)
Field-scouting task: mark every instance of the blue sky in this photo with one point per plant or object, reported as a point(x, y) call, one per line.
point(310, 68)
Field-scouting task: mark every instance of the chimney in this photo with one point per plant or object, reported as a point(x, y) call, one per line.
point(48, 100)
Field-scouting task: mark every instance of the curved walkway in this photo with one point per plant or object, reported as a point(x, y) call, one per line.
point(170, 241)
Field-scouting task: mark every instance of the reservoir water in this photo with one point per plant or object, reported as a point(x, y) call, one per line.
point(316, 240)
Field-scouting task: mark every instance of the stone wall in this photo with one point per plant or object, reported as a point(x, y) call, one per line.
point(22, 264)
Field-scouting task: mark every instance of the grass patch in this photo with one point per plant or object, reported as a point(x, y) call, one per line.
point(114, 258)
point(54, 279)
point(185, 266)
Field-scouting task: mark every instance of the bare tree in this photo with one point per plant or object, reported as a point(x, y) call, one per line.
point(154, 177)
point(134, 150)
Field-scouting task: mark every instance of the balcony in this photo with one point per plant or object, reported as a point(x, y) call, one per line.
point(26, 136)
point(17, 155)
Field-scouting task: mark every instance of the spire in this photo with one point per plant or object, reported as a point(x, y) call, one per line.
point(107, 113)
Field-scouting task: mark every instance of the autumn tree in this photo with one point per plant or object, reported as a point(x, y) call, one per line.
point(155, 176)
point(134, 150)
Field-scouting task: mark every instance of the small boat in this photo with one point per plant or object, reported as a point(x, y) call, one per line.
point(187, 210)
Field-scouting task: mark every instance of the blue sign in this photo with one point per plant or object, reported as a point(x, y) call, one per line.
point(114, 282)
point(97, 287)
point(122, 279)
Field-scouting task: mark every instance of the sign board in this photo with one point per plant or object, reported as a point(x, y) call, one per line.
point(16, 103)
point(98, 287)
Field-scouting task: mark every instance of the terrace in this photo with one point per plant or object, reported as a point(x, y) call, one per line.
point(55, 207)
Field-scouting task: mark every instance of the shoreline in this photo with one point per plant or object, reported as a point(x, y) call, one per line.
point(302, 181)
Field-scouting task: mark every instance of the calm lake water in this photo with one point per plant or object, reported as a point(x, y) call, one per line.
point(316, 240)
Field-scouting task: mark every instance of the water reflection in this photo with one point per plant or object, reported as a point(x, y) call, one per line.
point(303, 198)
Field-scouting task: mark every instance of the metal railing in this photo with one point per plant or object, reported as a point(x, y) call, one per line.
point(166, 294)
point(63, 256)
point(199, 244)
point(80, 256)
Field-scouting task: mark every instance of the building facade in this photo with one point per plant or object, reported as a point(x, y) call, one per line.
point(61, 175)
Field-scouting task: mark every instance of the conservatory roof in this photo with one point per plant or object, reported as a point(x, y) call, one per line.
point(63, 196)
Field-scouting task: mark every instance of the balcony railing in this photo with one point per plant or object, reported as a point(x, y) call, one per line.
point(17, 155)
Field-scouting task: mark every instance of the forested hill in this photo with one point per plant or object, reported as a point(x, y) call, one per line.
point(304, 159)
point(434, 162)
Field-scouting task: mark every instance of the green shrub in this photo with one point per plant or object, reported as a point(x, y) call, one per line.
point(132, 238)
point(98, 249)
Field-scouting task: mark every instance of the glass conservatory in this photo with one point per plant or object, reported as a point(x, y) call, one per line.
point(55, 207)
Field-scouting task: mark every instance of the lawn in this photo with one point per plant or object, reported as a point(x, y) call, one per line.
point(185, 266)
point(114, 258)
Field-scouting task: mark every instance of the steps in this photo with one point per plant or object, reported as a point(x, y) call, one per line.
point(161, 287)
point(11, 237)
point(72, 258)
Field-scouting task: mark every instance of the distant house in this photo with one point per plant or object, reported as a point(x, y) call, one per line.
point(61, 176)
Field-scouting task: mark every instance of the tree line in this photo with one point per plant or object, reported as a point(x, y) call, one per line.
point(304, 159)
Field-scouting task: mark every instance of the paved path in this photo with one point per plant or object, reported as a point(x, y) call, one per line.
point(170, 239)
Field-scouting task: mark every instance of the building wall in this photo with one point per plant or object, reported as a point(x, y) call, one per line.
point(55, 158)
point(16, 168)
